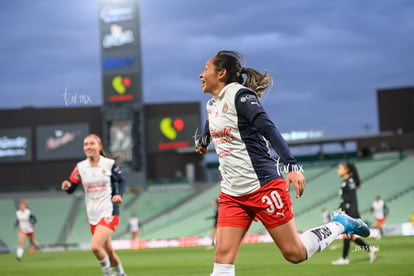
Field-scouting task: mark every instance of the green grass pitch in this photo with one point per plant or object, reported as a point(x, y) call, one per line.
point(396, 257)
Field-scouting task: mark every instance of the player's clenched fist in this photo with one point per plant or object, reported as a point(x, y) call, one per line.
point(65, 185)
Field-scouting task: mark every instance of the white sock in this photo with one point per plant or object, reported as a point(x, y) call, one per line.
point(105, 266)
point(223, 269)
point(119, 269)
point(318, 238)
point(37, 245)
point(20, 252)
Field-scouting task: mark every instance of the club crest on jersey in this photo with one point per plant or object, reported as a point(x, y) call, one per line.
point(225, 108)
point(103, 171)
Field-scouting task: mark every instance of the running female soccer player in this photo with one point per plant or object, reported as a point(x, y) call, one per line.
point(98, 176)
point(252, 185)
point(25, 223)
point(381, 211)
point(133, 226)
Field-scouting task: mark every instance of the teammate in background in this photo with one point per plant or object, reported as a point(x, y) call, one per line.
point(380, 210)
point(25, 223)
point(252, 184)
point(215, 203)
point(133, 226)
point(349, 204)
point(98, 176)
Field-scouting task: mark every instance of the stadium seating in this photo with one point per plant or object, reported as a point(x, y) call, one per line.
point(80, 232)
point(401, 208)
point(153, 202)
point(8, 236)
point(184, 218)
point(51, 213)
point(375, 176)
point(50, 221)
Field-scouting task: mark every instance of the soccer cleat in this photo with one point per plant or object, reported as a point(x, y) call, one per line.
point(351, 225)
point(340, 261)
point(373, 253)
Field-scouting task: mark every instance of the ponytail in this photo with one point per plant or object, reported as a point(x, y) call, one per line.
point(256, 81)
point(353, 171)
point(231, 61)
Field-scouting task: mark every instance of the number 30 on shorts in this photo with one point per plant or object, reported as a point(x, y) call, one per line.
point(274, 201)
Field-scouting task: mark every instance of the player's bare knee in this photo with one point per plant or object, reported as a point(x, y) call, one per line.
point(95, 248)
point(294, 257)
point(223, 256)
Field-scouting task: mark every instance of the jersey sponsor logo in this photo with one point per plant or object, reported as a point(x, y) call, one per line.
point(247, 98)
point(224, 153)
point(77, 176)
point(94, 188)
point(250, 98)
point(222, 136)
point(225, 132)
point(281, 213)
point(117, 170)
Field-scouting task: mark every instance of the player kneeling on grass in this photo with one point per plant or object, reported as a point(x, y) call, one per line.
point(252, 185)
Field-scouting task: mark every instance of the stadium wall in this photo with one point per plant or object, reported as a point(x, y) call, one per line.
point(44, 170)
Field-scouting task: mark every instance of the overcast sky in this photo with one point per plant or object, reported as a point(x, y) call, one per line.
point(327, 57)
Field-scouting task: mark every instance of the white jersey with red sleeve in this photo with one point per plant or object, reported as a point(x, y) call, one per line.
point(23, 217)
point(96, 184)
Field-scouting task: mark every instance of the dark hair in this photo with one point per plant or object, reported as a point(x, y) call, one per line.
point(353, 171)
point(231, 61)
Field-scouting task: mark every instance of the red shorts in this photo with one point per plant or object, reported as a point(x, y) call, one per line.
point(110, 222)
point(270, 204)
point(380, 221)
point(27, 234)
